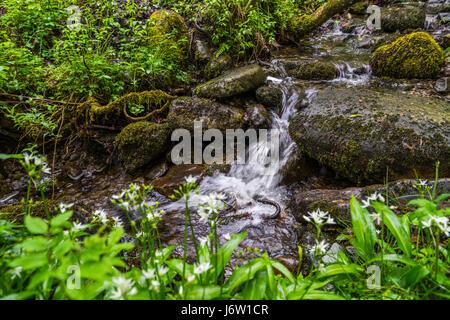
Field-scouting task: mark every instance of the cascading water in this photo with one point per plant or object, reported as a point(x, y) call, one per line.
point(246, 183)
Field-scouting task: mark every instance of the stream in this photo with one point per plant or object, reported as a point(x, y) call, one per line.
point(244, 185)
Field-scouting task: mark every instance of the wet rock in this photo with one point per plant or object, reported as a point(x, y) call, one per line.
point(232, 83)
point(142, 142)
point(442, 85)
point(258, 116)
point(337, 202)
point(446, 41)
point(201, 51)
point(393, 19)
point(435, 8)
point(359, 132)
point(349, 27)
point(405, 58)
point(175, 178)
point(314, 70)
point(364, 43)
point(217, 65)
point(269, 96)
point(214, 115)
point(157, 171)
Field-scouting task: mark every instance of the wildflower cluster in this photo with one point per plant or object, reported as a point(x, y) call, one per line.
point(36, 168)
point(210, 207)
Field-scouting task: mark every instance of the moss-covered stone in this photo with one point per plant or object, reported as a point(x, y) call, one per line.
point(360, 132)
point(359, 8)
point(270, 96)
point(168, 28)
point(142, 142)
point(217, 65)
point(213, 115)
point(416, 55)
point(393, 19)
point(316, 70)
point(232, 83)
point(300, 26)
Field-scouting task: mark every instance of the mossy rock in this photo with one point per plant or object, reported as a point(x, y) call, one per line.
point(300, 26)
point(168, 31)
point(233, 82)
point(216, 66)
point(416, 55)
point(359, 8)
point(270, 96)
point(213, 115)
point(155, 102)
point(316, 70)
point(142, 142)
point(360, 132)
point(399, 19)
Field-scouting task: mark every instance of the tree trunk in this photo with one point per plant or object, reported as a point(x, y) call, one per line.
point(305, 24)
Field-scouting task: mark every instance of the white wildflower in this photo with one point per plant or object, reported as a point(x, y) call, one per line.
point(155, 285)
point(78, 227)
point(65, 207)
point(320, 247)
point(191, 180)
point(149, 274)
point(202, 267)
point(16, 272)
point(227, 236)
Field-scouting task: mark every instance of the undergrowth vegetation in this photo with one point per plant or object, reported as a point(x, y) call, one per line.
point(393, 256)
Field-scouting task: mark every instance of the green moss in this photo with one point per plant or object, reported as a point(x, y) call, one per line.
point(142, 142)
point(416, 55)
point(300, 26)
point(318, 70)
point(168, 28)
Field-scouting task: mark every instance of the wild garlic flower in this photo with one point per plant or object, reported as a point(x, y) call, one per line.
point(440, 222)
point(124, 287)
point(63, 208)
point(190, 180)
point(78, 226)
point(202, 267)
point(16, 272)
point(162, 270)
point(36, 167)
point(376, 217)
point(320, 247)
point(100, 216)
point(319, 218)
point(149, 274)
point(117, 222)
point(227, 236)
point(374, 197)
point(204, 241)
point(155, 285)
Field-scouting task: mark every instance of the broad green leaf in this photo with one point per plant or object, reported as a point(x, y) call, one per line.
point(394, 258)
point(339, 269)
point(285, 271)
point(414, 276)
point(224, 253)
point(35, 225)
point(177, 266)
point(204, 292)
point(30, 261)
point(60, 219)
point(396, 227)
point(245, 273)
point(256, 288)
point(363, 228)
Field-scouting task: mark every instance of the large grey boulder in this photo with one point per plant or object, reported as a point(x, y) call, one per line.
point(359, 132)
point(232, 83)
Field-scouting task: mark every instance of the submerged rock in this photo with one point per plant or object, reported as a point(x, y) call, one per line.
point(214, 115)
point(360, 132)
point(416, 55)
point(393, 19)
point(232, 83)
point(258, 116)
point(142, 142)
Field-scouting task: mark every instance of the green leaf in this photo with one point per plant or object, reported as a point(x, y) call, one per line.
point(397, 227)
point(364, 230)
point(204, 292)
point(285, 271)
point(10, 156)
point(60, 219)
point(256, 288)
point(30, 261)
point(245, 273)
point(35, 225)
point(414, 276)
point(339, 269)
point(224, 253)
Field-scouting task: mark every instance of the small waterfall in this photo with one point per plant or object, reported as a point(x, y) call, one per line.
point(254, 179)
point(352, 75)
